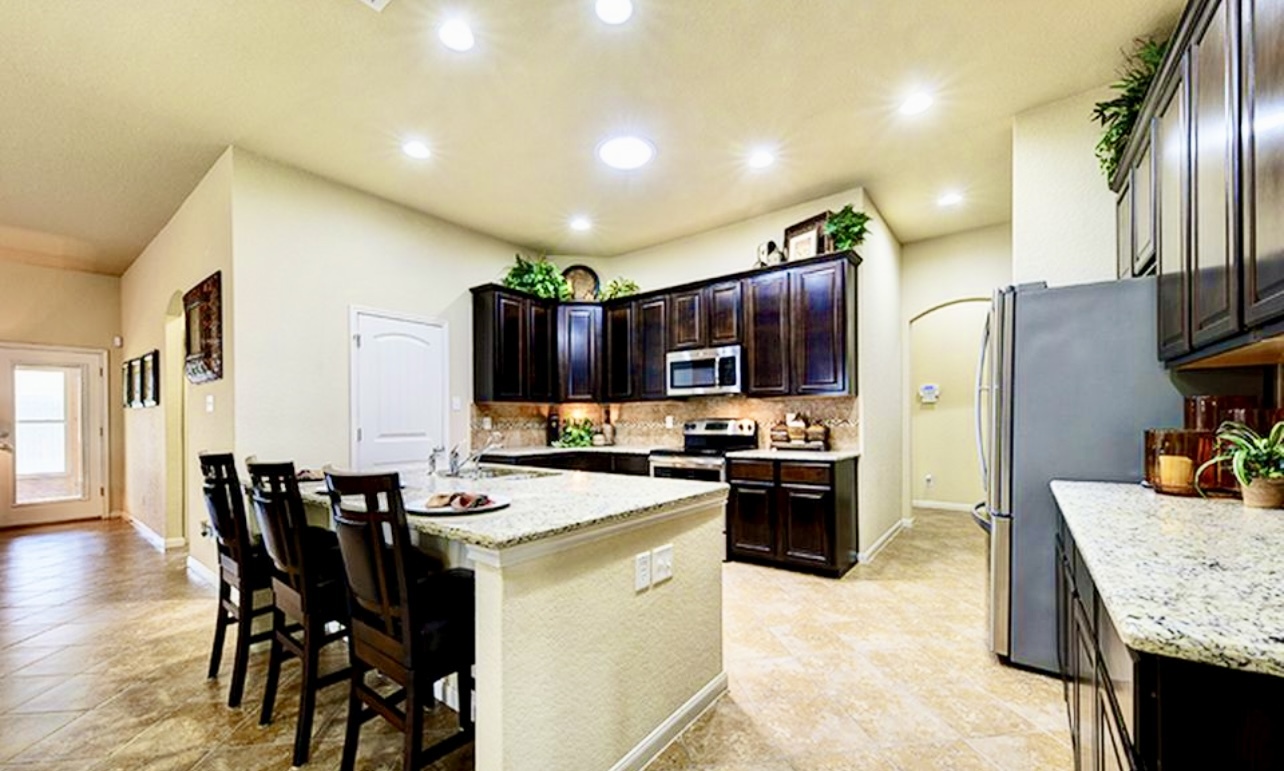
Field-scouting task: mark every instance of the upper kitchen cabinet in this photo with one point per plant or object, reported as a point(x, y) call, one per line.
point(688, 319)
point(1171, 141)
point(823, 329)
point(726, 313)
point(621, 351)
point(1143, 212)
point(579, 352)
point(652, 316)
point(1262, 142)
point(1214, 286)
point(767, 334)
point(1124, 232)
point(513, 346)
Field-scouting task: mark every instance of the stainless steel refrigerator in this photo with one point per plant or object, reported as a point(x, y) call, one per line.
point(1068, 382)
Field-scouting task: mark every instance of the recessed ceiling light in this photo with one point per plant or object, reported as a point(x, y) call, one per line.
point(614, 11)
point(581, 223)
point(416, 149)
point(952, 198)
point(626, 152)
point(761, 159)
point(916, 103)
point(456, 35)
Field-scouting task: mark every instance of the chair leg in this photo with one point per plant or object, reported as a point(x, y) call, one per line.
point(353, 733)
point(307, 697)
point(275, 655)
point(220, 630)
point(244, 631)
point(414, 738)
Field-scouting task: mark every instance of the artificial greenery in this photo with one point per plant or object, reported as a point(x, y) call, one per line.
point(1251, 455)
point(538, 277)
point(576, 433)
point(847, 228)
point(1118, 115)
point(618, 287)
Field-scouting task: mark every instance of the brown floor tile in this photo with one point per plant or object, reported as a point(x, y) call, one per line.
point(18, 732)
point(1024, 751)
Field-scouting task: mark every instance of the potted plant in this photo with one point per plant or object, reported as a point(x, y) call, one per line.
point(1257, 461)
point(618, 287)
point(847, 228)
point(1118, 115)
point(538, 277)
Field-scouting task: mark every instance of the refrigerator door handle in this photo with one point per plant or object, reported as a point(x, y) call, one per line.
point(982, 391)
point(981, 516)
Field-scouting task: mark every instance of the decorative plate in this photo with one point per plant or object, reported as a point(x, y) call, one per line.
point(584, 282)
point(417, 507)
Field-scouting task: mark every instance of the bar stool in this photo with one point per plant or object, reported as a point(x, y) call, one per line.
point(411, 625)
point(242, 565)
point(308, 589)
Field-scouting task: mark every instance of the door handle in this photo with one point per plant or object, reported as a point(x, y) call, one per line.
point(981, 392)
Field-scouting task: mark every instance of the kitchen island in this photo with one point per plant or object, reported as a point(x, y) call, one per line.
point(576, 666)
point(1172, 628)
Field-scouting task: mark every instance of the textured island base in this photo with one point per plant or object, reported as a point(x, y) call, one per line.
point(576, 669)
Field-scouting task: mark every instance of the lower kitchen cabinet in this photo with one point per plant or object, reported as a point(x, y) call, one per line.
point(792, 514)
point(631, 464)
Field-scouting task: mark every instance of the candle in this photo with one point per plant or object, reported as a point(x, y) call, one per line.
point(1176, 471)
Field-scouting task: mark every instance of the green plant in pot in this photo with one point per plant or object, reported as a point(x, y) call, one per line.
point(1256, 460)
point(538, 277)
point(847, 228)
point(618, 287)
point(576, 433)
point(1119, 114)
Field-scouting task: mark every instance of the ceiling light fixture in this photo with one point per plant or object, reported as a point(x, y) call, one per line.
point(416, 149)
point(916, 103)
point(626, 153)
point(952, 198)
point(761, 159)
point(614, 11)
point(456, 35)
point(581, 223)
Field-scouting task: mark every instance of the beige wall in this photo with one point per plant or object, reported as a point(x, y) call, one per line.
point(306, 251)
point(939, 277)
point(52, 306)
point(196, 242)
point(733, 248)
point(1063, 213)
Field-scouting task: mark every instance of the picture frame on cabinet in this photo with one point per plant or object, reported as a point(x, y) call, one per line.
point(807, 238)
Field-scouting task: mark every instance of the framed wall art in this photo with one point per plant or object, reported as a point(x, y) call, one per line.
point(150, 363)
point(203, 309)
point(807, 238)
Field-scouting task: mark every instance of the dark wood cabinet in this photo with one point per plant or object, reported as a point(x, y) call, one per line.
point(1124, 232)
point(1262, 143)
point(688, 313)
point(767, 334)
point(513, 347)
point(1171, 142)
point(820, 332)
point(621, 351)
point(579, 346)
point(726, 313)
point(1143, 210)
point(601, 461)
point(652, 345)
point(799, 515)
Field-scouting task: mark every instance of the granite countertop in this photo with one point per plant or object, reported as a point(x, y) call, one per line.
point(1194, 579)
point(820, 456)
point(535, 452)
point(544, 503)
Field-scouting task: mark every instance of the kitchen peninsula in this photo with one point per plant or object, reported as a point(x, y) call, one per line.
point(565, 636)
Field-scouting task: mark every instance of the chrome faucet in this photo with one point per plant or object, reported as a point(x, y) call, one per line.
point(458, 467)
point(432, 460)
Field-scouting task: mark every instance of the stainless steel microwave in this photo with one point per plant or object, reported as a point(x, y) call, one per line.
point(704, 372)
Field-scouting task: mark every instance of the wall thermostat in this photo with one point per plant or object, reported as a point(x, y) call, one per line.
point(929, 393)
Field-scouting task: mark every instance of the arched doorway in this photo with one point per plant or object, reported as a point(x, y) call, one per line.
point(173, 400)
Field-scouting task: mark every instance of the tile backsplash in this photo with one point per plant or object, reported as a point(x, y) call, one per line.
point(642, 423)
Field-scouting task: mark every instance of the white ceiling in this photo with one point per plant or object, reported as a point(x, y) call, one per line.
point(110, 111)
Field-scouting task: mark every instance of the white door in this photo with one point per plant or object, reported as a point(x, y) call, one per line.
point(399, 391)
point(52, 435)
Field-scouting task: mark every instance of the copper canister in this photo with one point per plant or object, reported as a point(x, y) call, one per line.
point(1207, 412)
point(1174, 454)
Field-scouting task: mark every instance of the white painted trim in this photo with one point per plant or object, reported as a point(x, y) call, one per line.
point(943, 505)
point(883, 540)
point(533, 550)
point(673, 726)
point(197, 569)
point(354, 311)
point(149, 535)
point(175, 543)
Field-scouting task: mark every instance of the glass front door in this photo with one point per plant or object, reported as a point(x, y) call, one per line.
point(52, 435)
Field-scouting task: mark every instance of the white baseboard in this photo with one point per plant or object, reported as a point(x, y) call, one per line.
point(883, 540)
point(664, 734)
point(942, 505)
point(198, 570)
point(149, 535)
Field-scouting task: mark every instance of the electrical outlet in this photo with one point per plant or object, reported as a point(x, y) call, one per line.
point(662, 563)
point(668, 421)
point(928, 480)
point(642, 572)
point(487, 423)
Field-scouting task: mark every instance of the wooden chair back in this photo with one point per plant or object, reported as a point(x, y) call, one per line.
point(225, 502)
point(283, 523)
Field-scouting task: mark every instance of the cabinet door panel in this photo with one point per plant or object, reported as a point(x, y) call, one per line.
point(1171, 145)
point(1263, 156)
point(1087, 746)
point(751, 526)
point(1124, 232)
point(541, 356)
point(1214, 288)
point(767, 334)
point(806, 520)
point(510, 364)
point(652, 332)
point(687, 320)
point(1143, 212)
point(621, 352)
point(725, 313)
point(818, 315)
point(579, 351)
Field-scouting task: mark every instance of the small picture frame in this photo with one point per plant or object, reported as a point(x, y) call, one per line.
point(135, 383)
point(807, 238)
point(150, 363)
point(126, 385)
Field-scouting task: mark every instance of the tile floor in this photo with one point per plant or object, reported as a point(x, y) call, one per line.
point(104, 643)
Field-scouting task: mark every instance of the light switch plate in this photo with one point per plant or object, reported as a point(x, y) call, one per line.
point(662, 563)
point(487, 423)
point(642, 572)
point(668, 421)
point(209, 402)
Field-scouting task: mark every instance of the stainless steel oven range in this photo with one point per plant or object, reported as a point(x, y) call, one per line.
point(705, 443)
